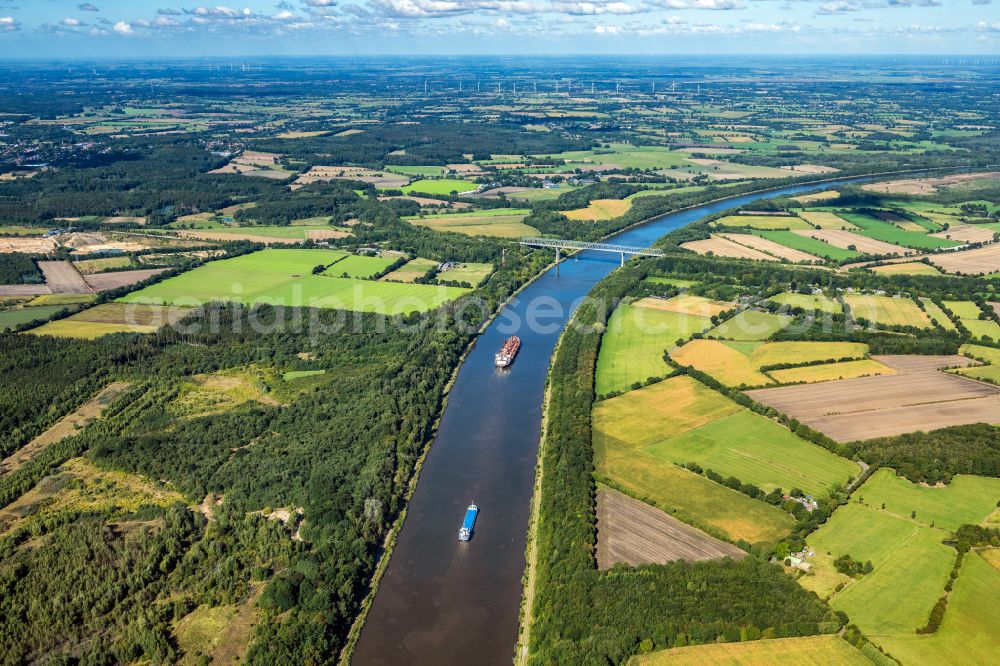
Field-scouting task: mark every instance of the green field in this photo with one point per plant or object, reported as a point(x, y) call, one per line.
point(807, 244)
point(805, 651)
point(673, 282)
point(625, 156)
point(963, 309)
point(625, 425)
point(983, 328)
point(290, 232)
point(97, 265)
point(13, 318)
point(765, 222)
point(911, 563)
point(17, 230)
point(750, 325)
point(439, 186)
point(356, 266)
point(284, 277)
point(757, 450)
point(633, 346)
point(887, 311)
point(416, 170)
point(808, 302)
point(410, 271)
point(292, 375)
point(968, 633)
point(473, 274)
point(890, 233)
point(990, 355)
point(967, 499)
point(937, 315)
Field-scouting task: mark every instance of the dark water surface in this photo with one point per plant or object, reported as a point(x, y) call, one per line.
point(443, 601)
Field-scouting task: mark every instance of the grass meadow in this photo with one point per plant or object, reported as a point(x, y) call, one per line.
point(887, 311)
point(805, 651)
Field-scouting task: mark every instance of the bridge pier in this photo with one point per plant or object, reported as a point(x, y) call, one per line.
point(623, 260)
point(557, 261)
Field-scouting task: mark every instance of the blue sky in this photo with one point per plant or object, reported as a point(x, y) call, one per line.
point(124, 28)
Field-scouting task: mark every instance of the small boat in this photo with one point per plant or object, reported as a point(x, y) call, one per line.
point(506, 355)
point(465, 533)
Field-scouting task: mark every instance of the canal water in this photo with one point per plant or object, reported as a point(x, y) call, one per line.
point(443, 601)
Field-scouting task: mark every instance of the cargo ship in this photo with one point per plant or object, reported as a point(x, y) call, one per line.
point(506, 355)
point(465, 533)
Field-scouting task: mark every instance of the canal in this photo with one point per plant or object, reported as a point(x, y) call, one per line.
point(443, 601)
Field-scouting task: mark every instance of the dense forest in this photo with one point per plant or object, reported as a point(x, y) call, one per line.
point(19, 268)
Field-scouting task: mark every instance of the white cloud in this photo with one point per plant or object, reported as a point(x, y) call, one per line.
point(123, 28)
point(9, 24)
point(607, 29)
point(838, 7)
point(71, 22)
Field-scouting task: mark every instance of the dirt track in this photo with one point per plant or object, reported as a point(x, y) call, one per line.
point(632, 532)
point(920, 397)
point(63, 278)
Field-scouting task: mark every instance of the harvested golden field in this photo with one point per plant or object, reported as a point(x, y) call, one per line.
point(632, 532)
point(825, 220)
point(112, 318)
point(761, 222)
point(967, 233)
point(825, 195)
point(927, 185)
point(599, 210)
point(771, 248)
point(806, 651)
point(969, 262)
point(887, 311)
point(906, 268)
point(720, 247)
point(831, 371)
point(917, 397)
point(62, 278)
point(848, 240)
point(721, 361)
point(685, 304)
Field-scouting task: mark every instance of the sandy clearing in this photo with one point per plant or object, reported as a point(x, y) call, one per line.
point(770, 247)
point(920, 397)
point(926, 185)
point(107, 281)
point(64, 427)
point(967, 233)
point(63, 278)
point(27, 245)
point(632, 532)
point(722, 247)
point(845, 239)
point(971, 262)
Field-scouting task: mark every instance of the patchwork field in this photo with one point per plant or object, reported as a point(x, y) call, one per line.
point(807, 651)
point(720, 247)
point(112, 318)
point(967, 233)
point(686, 304)
point(480, 223)
point(849, 240)
point(798, 241)
point(887, 311)
point(632, 532)
point(891, 233)
point(284, 277)
point(680, 404)
point(736, 366)
point(762, 222)
point(926, 185)
point(918, 397)
point(599, 210)
point(903, 542)
point(633, 346)
point(750, 325)
point(772, 248)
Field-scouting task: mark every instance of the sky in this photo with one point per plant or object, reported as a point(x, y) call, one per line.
point(176, 28)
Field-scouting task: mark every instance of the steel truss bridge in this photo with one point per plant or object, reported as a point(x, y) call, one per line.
point(559, 244)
